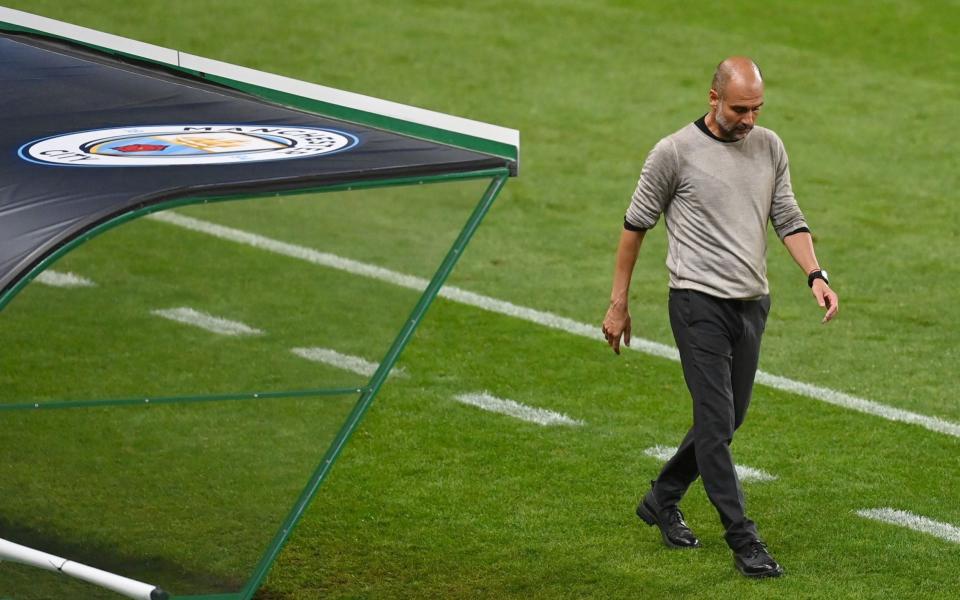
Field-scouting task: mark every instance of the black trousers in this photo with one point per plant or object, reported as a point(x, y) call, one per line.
point(719, 343)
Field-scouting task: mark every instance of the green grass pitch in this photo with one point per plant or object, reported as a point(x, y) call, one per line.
point(433, 499)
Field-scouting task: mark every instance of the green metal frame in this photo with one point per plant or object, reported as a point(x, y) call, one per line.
point(8, 295)
point(367, 393)
point(376, 381)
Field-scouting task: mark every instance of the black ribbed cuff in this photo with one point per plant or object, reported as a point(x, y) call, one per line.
point(798, 230)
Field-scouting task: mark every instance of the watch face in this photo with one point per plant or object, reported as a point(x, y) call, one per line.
point(825, 276)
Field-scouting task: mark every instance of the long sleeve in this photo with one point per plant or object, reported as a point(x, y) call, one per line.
point(785, 213)
point(657, 185)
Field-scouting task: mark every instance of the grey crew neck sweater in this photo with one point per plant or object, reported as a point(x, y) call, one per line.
point(716, 198)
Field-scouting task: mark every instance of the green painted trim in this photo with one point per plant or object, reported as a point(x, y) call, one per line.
point(353, 115)
point(141, 401)
point(370, 392)
point(129, 216)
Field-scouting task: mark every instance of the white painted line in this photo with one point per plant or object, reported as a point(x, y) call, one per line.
point(400, 279)
point(202, 320)
point(347, 362)
point(664, 453)
point(547, 319)
point(540, 416)
point(944, 531)
point(863, 405)
point(64, 280)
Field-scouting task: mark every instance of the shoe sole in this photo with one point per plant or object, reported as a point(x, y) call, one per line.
point(762, 575)
point(646, 515)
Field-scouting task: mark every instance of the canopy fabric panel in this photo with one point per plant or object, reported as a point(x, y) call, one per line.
point(86, 138)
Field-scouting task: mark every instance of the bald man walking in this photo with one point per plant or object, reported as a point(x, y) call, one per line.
point(717, 181)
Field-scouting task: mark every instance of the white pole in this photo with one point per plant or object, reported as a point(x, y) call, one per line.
point(122, 585)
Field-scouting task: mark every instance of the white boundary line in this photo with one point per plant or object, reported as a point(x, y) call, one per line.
point(63, 280)
point(944, 531)
point(277, 82)
point(540, 416)
point(347, 362)
point(546, 319)
point(189, 316)
point(665, 453)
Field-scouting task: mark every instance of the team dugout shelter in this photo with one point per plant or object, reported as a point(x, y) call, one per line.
point(99, 130)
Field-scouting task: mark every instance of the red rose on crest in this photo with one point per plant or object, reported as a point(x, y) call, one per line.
point(140, 148)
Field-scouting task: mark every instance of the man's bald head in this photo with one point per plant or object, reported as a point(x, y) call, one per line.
point(736, 96)
point(739, 70)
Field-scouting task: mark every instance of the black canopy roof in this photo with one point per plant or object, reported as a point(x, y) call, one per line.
point(139, 125)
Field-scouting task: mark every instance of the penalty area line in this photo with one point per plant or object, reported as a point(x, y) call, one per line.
point(531, 414)
point(902, 518)
point(347, 362)
point(546, 319)
point(63, 280)
point(189, 316)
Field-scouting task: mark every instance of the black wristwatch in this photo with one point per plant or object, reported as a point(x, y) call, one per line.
point(818, 274)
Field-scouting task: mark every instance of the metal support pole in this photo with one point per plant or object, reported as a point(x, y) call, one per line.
point(371, 389)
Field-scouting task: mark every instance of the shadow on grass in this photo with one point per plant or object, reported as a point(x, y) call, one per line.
point(174, 576)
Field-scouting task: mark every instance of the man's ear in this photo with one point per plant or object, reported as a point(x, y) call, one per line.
point(714, 98)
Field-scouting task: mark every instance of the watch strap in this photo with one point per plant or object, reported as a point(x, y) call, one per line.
point(817, 274)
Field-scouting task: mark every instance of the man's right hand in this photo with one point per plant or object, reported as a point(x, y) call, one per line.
point(616, 324)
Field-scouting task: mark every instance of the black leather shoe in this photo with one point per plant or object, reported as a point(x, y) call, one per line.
point(673, 529)
point(753, 560)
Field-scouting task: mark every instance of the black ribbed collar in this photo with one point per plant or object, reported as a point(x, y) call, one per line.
point(701, 123)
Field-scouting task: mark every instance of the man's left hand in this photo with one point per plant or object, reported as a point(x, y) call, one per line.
point(826, 298)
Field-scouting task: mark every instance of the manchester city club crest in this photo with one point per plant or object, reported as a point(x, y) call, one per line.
point(178, 145)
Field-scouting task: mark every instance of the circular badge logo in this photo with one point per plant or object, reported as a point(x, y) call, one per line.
point(179, 145)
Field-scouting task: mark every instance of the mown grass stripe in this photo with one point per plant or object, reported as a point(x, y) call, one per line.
point(944, 531)
point(547, 319)
point(189, 316)
point(347, 362)
point(540, 416)
point(64, 280)
point(664, 453)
